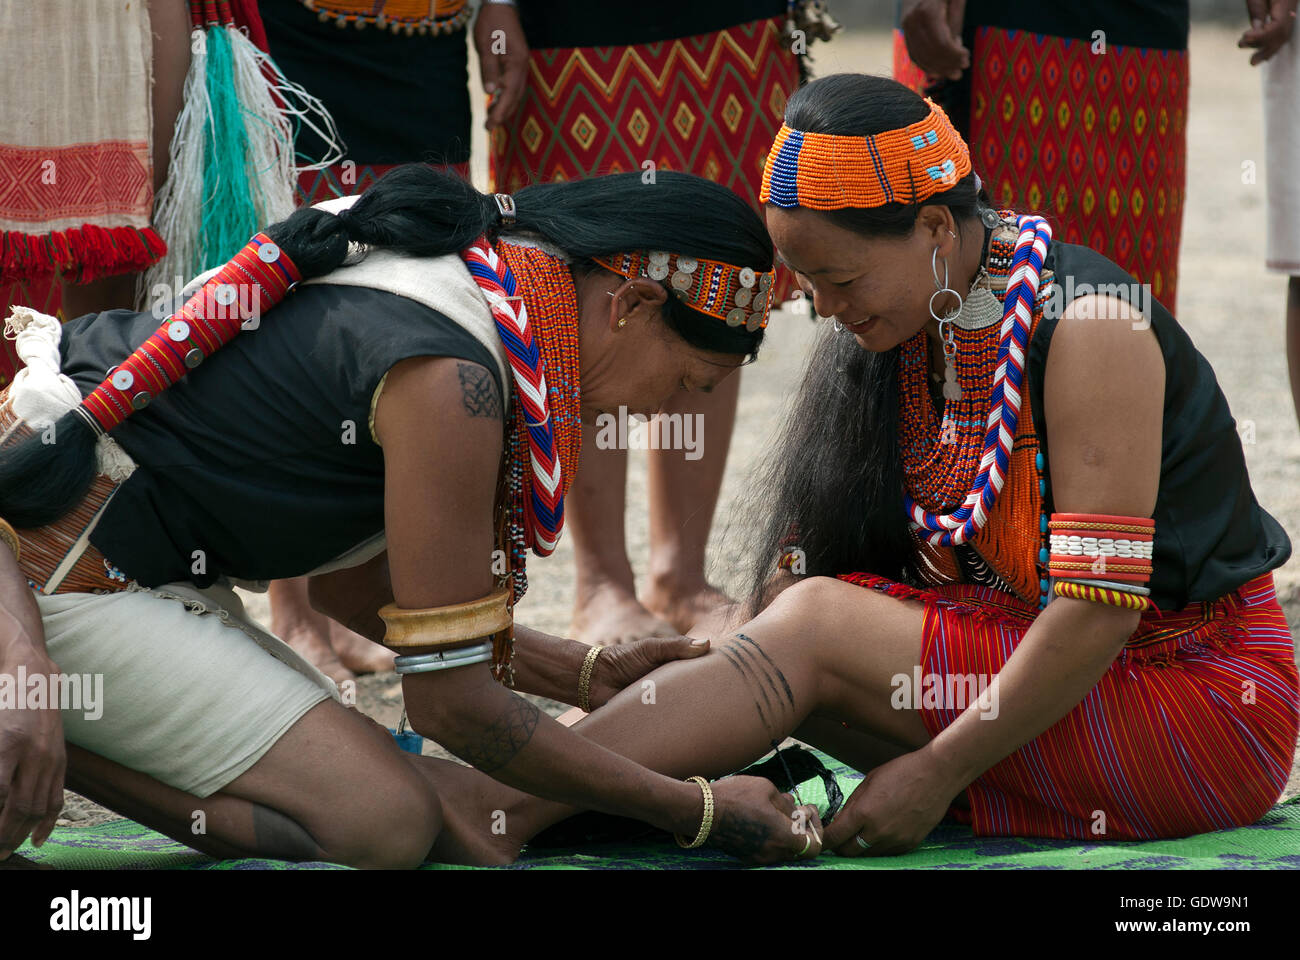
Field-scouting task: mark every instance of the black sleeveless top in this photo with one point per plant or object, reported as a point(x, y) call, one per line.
point(1211, 534)
point(262, 457)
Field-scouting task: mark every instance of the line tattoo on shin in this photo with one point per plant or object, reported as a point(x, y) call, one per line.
point(498, 743)
point(478, 391)
point(773, 698)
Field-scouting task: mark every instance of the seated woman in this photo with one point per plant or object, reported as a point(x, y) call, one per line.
point(1068, 623)
point(413, 416)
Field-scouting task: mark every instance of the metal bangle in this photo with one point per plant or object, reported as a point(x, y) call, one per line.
point(706, 824)
point(1134, 588)
point(443, 660)
point(584, 678)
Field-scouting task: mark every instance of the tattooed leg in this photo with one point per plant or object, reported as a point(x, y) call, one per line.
point(821, 648)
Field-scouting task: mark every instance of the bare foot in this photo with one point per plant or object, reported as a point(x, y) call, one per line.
point(476, 826)
point(295, 622)
point(611, 615)
point(685, 610)
point(312, 642)
point(359, 654)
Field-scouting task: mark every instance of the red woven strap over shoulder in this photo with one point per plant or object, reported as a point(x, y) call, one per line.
point(253, 281)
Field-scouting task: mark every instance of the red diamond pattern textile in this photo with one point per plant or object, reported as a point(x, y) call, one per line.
point(709, 104)
point(1096, 142)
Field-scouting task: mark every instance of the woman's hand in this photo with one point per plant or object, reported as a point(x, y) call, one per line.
point(33, 757)
point(503, 59)
point(620, 666)
point(894, 808)
point(755, 822)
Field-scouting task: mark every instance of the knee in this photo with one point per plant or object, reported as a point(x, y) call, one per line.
point(398, 832)
point(808, 598)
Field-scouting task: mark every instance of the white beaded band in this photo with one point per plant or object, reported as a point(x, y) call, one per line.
point(1100, 547)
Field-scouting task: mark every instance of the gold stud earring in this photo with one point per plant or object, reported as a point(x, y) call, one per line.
point(622, 321)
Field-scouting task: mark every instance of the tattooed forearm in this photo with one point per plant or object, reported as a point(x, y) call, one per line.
point(494, 747)
point(478, 391)
point(774, 699)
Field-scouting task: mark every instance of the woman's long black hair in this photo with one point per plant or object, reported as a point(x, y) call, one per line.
point(832, 486)
point(418, 210)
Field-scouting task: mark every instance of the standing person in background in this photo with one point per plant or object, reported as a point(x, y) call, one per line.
point(394, 75)
point(1075, 111)
point(1272, 37)
point(79, 150)
point(613, 88)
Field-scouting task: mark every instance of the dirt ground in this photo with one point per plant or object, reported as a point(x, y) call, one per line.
point(1233, 309)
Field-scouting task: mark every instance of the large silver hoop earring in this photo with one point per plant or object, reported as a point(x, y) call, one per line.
point(951, 388)
point(941, 286)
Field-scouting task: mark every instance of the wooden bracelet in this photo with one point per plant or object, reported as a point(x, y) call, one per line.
point(584, 678)
point(454, 625)
point(706, 824)
point(10, 536)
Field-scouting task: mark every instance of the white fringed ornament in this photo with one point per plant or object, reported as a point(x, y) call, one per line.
point(233, 168)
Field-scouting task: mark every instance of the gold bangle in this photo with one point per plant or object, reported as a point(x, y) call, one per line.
point(454, 625)
point(9, 536)
point(706, 824)
point(584, 678)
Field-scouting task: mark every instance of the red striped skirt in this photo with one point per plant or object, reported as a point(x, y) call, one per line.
point(1193, 728)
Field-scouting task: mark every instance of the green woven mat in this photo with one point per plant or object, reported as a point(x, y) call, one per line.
point(1271, 844)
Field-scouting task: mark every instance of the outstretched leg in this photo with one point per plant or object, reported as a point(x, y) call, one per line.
point(823, 651)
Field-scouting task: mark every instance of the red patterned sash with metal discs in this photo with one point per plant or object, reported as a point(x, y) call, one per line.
point(253, 281)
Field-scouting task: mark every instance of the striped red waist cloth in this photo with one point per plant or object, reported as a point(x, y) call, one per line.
point(1191, 729)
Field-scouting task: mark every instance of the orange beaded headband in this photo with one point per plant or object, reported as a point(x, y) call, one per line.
point(822, 171)
point(740, 296)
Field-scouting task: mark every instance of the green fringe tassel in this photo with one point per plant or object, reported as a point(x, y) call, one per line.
point(229, 212)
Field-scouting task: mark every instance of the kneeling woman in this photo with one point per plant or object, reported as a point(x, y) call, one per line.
point(993, 490)
point(411, 419)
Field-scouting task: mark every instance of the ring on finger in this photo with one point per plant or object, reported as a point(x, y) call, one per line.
point(862, 843)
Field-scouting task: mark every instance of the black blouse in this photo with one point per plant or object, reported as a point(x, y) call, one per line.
point(1211, 534)
point(262, 457)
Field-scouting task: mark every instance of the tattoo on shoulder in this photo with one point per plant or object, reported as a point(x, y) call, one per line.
point(478, 391)
point(497, 744)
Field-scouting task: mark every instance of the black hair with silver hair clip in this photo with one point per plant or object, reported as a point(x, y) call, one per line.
point(506, 207)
